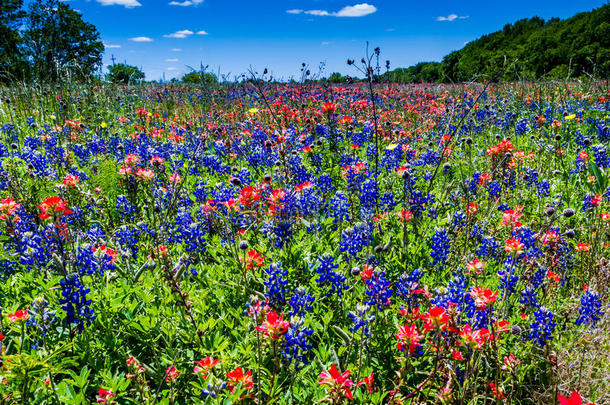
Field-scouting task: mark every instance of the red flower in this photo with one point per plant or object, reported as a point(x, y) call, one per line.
point(249, 196)
point(328, 108)
point(367, 382)
point(483, 297)
point(8, 206)
point(583, 247)
point(253, 259)
point(53, 207)
point(274, 325)
point(405, 215)
point(19, 315)
point(475, 339)
point(103, 395)
point(476, 266)
point(171, 374)
point(496, 392)
point(1, 337)
point(339, 383)
point(575, 399)
point(436, 318)
point(70, 181)
point(237, 377)
point(408, 337)
point(204, 366)
point(514, 246)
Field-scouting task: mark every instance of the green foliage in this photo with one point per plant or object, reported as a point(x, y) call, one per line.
point(11, 57)
point(200, 77)
point(528, 49)
point(422, 72)
point(337, 77)
point(122, 73)
point(57, 40)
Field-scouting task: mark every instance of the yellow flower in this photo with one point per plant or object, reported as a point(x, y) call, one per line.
point(391, 146)
point(570, 117)
point(52, 117)
point(253, 110)
point(104, 125)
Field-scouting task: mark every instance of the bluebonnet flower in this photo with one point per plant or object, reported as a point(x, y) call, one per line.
point(75, 302)
point(601, 156)
point(128, 239)
point(329, 277)
point(300, 302)
point(418, 203)
point(353, 240)
point(276, 285)
point(544, 188)
point(440, 244)
point(459, 220)
point(325, 183)
point(40, 316)
point(529, 297)
point(379, 290)
point(590, 309)
point(542, 327)
point(494, 189)
point(339, 207)
point(508, 278)
point(406, 284)
point(361, 320)
point(295, 343)
point(387, 202)
point(281, 233)
point(589, 202)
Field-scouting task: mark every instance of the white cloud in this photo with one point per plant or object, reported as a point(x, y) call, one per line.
point(109, 46)
point(185, 3)
point(357, 10)
point(171, 60)
point(176, 50)
point(124, 3)
point(202, 32)
point(317, 12)
point(141, 39)
point(451, 17)
point(326, 43)
point(172, 68)
point(179, 34)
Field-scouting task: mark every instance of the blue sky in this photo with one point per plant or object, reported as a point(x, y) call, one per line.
point(167, 36)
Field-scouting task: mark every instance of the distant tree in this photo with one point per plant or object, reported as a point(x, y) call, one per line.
point(200, 77)
point(122, 73)
point(12, 62)
point(337, 77)
point(57, 39)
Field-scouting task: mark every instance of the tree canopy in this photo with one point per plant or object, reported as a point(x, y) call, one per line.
point(527, 49)
point(122, 73)
point(50, 39)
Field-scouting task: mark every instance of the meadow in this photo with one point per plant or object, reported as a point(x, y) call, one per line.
point(305, 243)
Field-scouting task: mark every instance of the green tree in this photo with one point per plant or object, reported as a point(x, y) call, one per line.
point(122, 73)
point(12, 61)
point(337, 77)
point(200, 77)
point(57, 40)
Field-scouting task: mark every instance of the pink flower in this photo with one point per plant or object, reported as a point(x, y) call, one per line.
point(103, 395)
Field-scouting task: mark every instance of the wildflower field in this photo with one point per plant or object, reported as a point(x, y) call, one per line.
point(303, 243)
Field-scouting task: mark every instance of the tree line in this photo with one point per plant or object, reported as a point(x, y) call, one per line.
point(529, 49)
